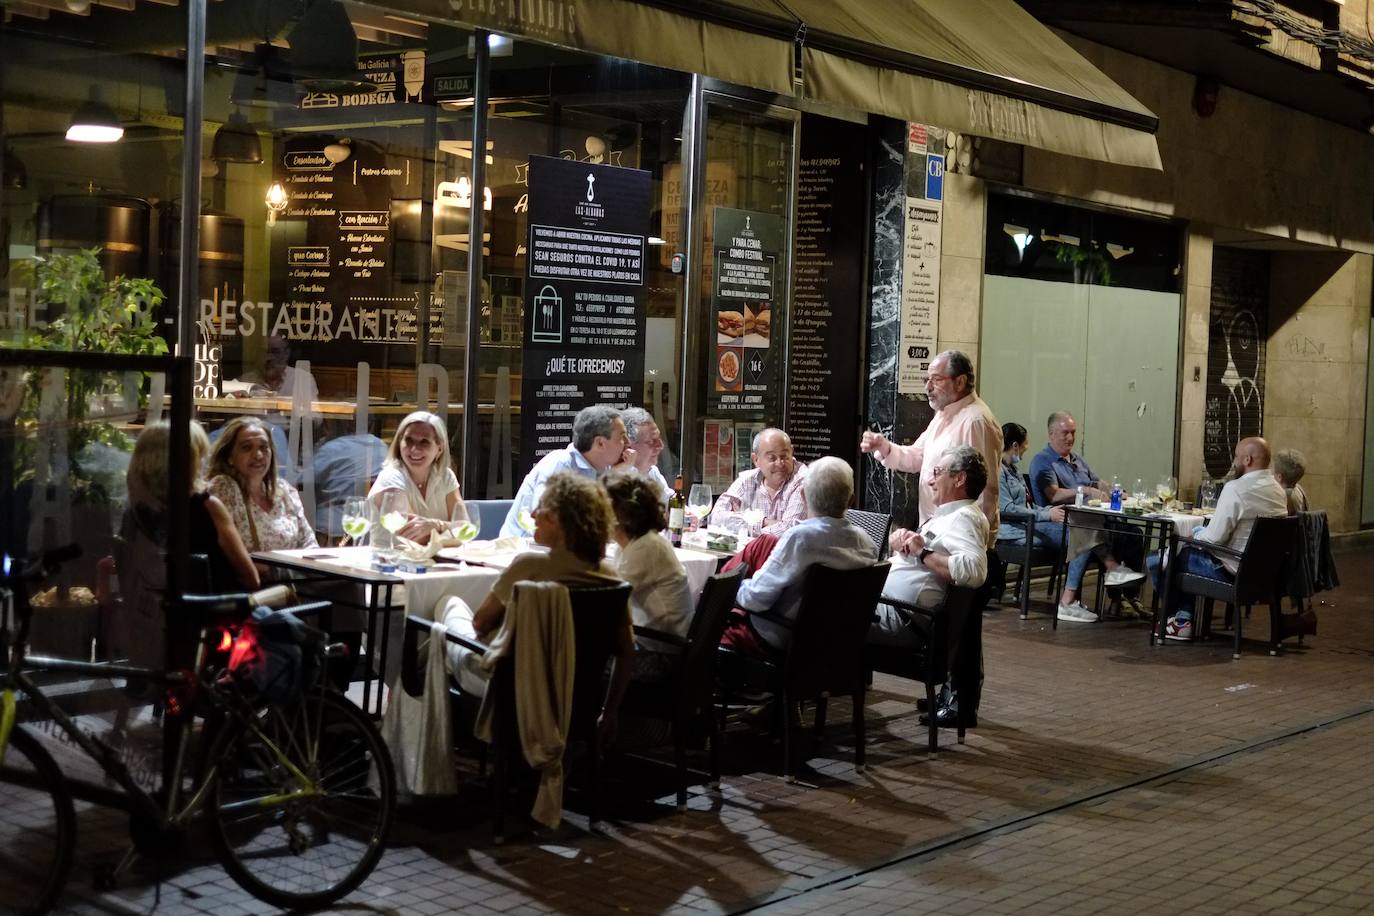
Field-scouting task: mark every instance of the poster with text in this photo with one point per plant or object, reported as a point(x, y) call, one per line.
point(584, 296)
point(717, 455)
point(748, 264)
point(920, 294)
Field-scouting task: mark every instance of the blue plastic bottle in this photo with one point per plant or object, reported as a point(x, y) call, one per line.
point(1116, 496)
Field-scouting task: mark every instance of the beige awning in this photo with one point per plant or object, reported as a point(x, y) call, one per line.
point(984, 67)
point(730, 41)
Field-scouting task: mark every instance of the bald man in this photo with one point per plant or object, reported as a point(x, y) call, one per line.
point(773, 487)
point(1254, 493)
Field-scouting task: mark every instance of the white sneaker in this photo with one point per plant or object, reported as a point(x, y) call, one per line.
point(1076, 612)
point(1123, 575)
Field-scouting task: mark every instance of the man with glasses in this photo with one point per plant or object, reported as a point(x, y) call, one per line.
point(961, 418)
point(949, 549)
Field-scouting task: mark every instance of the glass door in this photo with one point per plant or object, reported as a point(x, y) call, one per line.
point(743, 227)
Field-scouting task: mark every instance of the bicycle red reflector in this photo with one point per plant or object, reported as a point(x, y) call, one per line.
point(226, 640)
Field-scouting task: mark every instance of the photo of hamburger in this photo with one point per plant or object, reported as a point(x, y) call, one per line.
point(730, 324)
point(758, 322)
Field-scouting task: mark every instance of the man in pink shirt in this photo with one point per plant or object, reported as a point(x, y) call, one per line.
point(961, 418)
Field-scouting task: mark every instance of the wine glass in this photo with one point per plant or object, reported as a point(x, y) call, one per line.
point(463, 531)
point(1139, 491)
point(1166, 489)
point(357, 519)
point(525, 519)
point(392, 515)
point(699, 504)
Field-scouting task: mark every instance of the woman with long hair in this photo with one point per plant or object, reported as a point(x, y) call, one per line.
point(417, 464)
point(266, 510)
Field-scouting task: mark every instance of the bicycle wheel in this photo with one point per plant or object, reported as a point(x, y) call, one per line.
point(303, 801)
point(37, 827)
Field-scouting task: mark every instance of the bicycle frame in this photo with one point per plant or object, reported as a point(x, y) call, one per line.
point(166, 815)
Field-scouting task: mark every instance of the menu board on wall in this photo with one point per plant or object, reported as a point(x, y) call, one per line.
point(823, 362)
point(333, 249)
point(920, 313)
point(746, 280)
point(584, 296)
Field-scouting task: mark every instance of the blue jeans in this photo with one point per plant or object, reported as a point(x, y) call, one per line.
point(1193, 561)
point(1051, 535)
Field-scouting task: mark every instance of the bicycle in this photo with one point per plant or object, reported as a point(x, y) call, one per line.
point(299, 794)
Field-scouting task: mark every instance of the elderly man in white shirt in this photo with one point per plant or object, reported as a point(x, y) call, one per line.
point(1254, 493)
point(824, 538)
point(961, 418)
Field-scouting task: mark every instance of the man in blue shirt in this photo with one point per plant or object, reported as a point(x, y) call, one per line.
point(1056, 473)
point(598, 443)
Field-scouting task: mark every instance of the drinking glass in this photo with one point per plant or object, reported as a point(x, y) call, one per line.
point(1139, 491)
point(1166, 489)
point(753, 518)
point(699, 504)
point(1207, 494)
point(357, 520)
point(391, 517)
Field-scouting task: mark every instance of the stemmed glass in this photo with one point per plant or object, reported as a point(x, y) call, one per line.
point(699, 504)
point(392, 515)
point(1166, 489)
point(525, 519)
point(1139, 491)
point(357, 519)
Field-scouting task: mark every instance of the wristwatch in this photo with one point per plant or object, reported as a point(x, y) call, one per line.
point(921, 557)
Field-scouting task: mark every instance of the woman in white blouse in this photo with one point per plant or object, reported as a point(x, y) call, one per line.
point(661, 597)
point(265, 509)
point(417, 464)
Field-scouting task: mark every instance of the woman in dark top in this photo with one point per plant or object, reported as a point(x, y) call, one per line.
point(211, 530)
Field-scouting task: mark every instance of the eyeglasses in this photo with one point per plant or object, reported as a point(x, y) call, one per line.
point(941, 469)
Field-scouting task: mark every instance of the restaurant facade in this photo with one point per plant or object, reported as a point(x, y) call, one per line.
point(731, 213)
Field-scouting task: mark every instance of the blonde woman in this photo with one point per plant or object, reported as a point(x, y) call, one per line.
point(266, 510)
point(211, 530)
point(417, 464)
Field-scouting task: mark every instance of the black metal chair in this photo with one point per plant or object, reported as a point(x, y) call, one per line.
point(1027, 556)
point(825, 654)
point(930, 660)
point(686, 698)
point(876, 525)
point(1259, 579)
point(599, 617)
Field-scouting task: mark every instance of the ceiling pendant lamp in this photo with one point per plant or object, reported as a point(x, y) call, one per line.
point(95, 122)
point(236, 141)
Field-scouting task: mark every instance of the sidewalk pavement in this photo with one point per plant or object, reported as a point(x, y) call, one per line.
point(1106, 775)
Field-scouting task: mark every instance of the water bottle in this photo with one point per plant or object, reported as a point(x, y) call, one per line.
point(1116, 495)
point(1078, 500)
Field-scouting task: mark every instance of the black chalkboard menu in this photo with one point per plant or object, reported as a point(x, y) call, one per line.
point(333, 249)
point(823, 413)
point(746, 283)
point(584, 296)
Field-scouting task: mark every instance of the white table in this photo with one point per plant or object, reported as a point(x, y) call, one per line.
point(422, 594)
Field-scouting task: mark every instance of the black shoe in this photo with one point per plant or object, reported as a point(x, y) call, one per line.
point(948, 717)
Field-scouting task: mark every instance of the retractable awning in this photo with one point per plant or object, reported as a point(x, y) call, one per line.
point(983, 67)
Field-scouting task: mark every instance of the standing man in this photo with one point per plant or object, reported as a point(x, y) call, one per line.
point(773, 487)
point(1254, 493)
point(598, 443)
point(961, 418)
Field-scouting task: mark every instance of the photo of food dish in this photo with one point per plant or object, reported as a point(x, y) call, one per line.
point(757, 325)
point(728, 365)
point(730, 326)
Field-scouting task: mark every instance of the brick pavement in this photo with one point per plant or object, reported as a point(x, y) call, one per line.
point(1087, 712)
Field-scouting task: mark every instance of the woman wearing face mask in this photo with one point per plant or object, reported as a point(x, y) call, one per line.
point(417, 464)
point(1013, 503)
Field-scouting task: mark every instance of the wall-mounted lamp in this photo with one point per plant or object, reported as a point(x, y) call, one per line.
point(236, 141)
point(276, 201)
point(94, 122)
point(338, 151)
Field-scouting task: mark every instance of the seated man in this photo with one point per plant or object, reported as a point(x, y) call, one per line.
point(824, 537)
point(598, 443)
point(1254, 493)
point(773, 487)
point(276, 378)
point(1056, 473)
point(645, 444)
point(949, 548)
